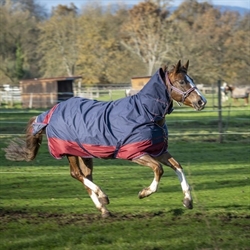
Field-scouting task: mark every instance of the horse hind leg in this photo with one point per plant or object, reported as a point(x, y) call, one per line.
point(81, 169)
point(147, 160)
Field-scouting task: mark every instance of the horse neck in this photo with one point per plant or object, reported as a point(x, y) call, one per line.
point(161, 122)
point(156, 97)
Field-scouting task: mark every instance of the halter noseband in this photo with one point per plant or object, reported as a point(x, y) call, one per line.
point(171, 87)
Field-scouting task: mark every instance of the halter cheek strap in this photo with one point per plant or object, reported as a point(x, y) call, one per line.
point(171, 88)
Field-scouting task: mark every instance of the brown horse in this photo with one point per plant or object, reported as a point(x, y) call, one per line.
point(238, 93)
point(153, 102)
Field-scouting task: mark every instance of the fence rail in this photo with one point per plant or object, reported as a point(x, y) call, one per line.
point(220, 120)
point(13, 95)
point(183, 124)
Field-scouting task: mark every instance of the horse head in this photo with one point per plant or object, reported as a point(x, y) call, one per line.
point(229, 88)
point(182, 88)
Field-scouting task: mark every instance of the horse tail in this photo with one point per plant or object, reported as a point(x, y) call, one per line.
point(27, 148)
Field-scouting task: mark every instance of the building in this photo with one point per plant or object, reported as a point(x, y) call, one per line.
point(137, 83)
point(46, 92)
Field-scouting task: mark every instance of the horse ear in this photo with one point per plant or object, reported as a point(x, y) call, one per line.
point(177, 67)
point(186, 65)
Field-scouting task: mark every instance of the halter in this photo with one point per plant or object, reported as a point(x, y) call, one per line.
point(171, 88)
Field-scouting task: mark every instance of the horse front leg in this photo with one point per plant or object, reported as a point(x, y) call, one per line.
point(81, 169)
point(168, 160)
point(147, 160)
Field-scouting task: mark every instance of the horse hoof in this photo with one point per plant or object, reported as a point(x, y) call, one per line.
point(106, 215)
point(140, 195)
point(144, 193)
point(104, 200)
point(188, 203)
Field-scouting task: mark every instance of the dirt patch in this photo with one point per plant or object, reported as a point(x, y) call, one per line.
point(7, 216)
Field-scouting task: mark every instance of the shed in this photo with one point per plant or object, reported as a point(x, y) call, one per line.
point(138, 82)
point(46, 92)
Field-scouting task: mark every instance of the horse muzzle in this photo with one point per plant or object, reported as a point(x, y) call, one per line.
point(200, 104)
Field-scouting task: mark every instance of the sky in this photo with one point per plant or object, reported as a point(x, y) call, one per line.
point(78, 3)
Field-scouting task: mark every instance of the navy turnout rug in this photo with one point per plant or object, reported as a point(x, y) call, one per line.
point(126, 128)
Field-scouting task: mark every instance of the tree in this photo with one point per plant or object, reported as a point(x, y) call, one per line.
point(208, 35)
point(102, 58)
point(32, 6)
point(16, 34)
point(147, 33)
point(237, 53)
point(19, 62)
point(57, 42)
point(191, 41)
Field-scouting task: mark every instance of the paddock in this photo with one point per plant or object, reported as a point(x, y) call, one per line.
point(43, 208)
point(40, 203)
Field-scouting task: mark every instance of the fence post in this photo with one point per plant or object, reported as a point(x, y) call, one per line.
point(12, 97)
point(79, 88)
point(213, 94)
point(110, 94)
point(51, 98)
point(31, 100)
point(220, 113)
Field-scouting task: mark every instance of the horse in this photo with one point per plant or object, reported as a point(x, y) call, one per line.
point(131, 128)
point(238, 93)
point(224, 96)
point(130, 92)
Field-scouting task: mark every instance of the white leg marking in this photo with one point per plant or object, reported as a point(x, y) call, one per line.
point(91, 185)
point(94, 198)
point(184, 185)
point(154, 185)
point(183, 181)
point(94, 188)
point(99, 206)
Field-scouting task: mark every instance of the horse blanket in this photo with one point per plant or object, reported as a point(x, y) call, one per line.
point(126, 128)
point(240, 93)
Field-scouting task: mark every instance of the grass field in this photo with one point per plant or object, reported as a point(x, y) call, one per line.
point(42, 207)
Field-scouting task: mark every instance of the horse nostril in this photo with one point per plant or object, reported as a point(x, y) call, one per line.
point(200, 103)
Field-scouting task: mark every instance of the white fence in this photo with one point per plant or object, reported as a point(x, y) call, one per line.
point(11, 95)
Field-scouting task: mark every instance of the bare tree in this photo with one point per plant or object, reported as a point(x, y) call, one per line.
point(147, 33)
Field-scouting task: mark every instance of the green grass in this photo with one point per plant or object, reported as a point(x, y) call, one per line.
point(42, 207)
